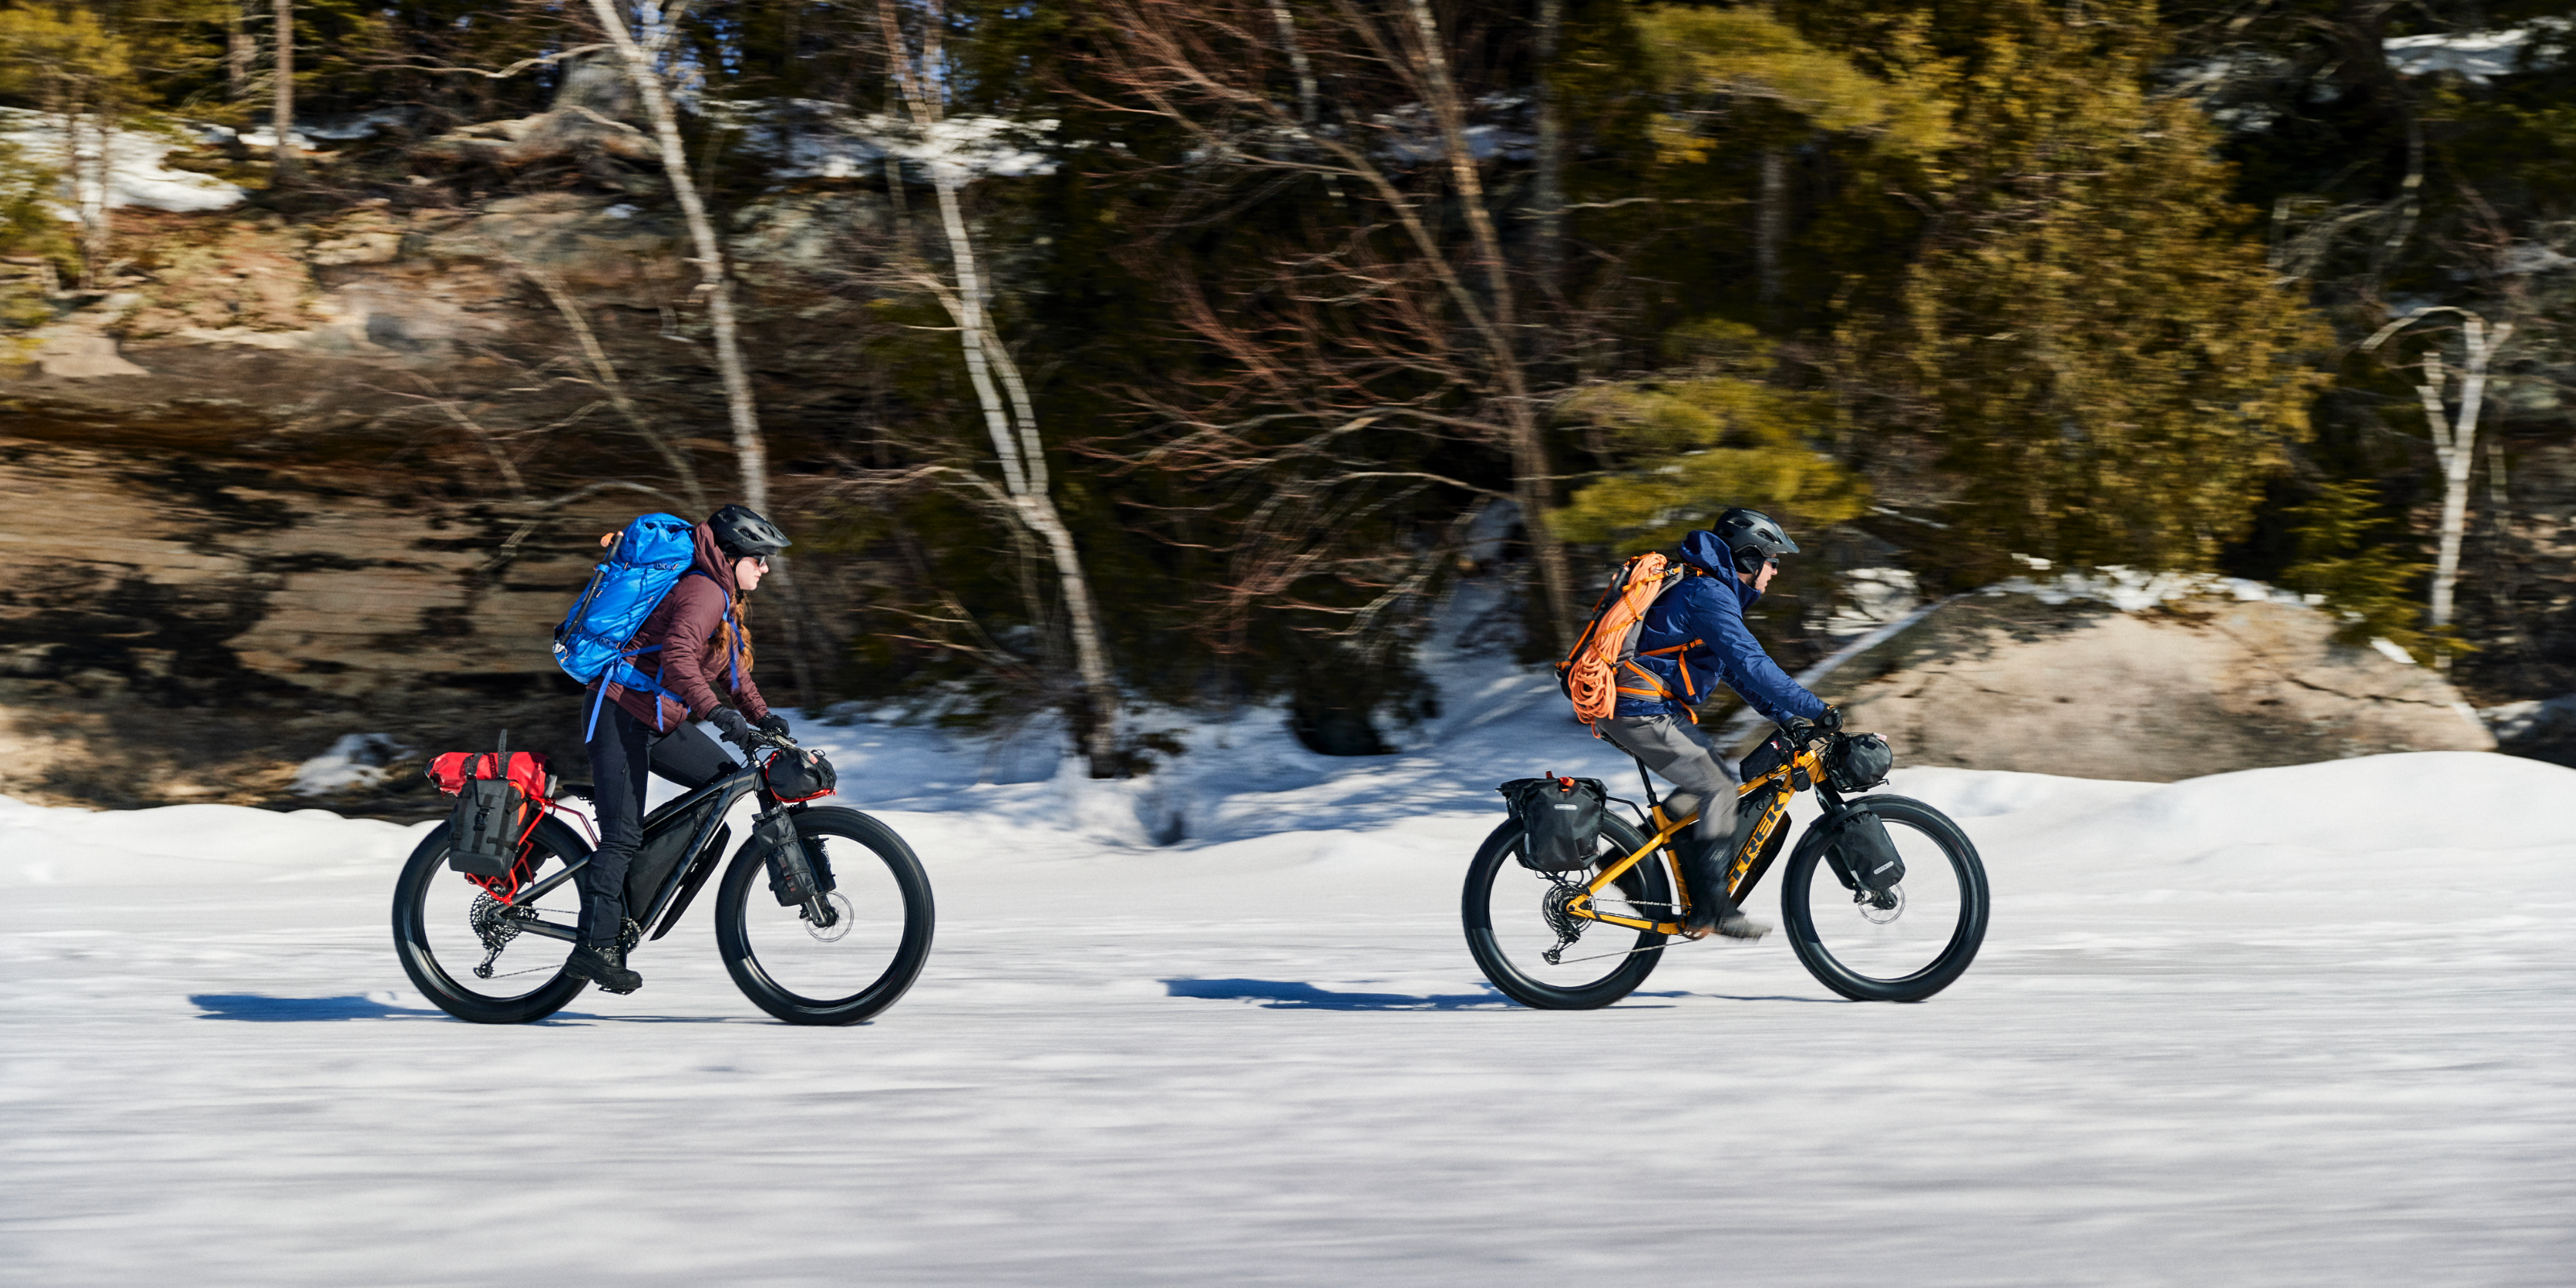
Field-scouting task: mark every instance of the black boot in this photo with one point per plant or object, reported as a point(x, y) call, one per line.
point(604, 965)
point(1711, 912)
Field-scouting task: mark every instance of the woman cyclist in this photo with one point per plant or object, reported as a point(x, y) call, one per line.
point(695, 646)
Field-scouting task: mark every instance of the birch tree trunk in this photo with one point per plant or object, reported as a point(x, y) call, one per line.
point(1771, 224)
point(237, 54)
point(1547, 182)
point(282, 101)
point(751, 456)
point(1011, 424)
point(750, 450)
point(2454, 437)
point(1532, 485)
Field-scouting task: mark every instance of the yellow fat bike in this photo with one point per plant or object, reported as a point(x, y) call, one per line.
point(1868, 929)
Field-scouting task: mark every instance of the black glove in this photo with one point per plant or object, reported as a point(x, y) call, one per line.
point(736, 729)
point(1831, 721)
point(774, 724)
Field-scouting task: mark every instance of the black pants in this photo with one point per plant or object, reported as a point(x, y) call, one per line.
point(622, 751)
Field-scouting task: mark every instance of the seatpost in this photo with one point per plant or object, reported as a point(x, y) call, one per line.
point(1649, 785)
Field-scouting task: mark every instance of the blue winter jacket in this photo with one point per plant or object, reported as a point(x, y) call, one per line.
point(1695, 637)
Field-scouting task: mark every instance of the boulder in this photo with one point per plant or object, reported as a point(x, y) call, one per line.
point(2006, 680)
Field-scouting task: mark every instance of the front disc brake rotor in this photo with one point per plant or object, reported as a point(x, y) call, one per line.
point(1882, 906)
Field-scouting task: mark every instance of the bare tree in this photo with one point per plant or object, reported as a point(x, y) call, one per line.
point(2454, 434)
point(239, 50)
point(1011, 423)
point(1207, 68)
point(751, 456)
point(282, 101)
point(1547, 178)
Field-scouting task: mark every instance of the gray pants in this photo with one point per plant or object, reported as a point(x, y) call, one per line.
point(1703, 783)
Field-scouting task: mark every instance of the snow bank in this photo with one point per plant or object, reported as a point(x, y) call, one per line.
point(191, 844)
point(817, 139)
point(136, 174)
point(2477, 55)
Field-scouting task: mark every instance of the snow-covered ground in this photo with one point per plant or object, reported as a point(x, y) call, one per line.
point(2293, 1026)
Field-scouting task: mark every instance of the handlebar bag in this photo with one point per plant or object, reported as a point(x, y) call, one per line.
point(1560, 820)
point(798, 775)
point(1860, 761)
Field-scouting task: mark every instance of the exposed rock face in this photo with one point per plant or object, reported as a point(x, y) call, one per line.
point(178, 628)
point(2004, 681)
point(254, 502)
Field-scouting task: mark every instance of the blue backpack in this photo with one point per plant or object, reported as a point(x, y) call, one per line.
point(644, 562)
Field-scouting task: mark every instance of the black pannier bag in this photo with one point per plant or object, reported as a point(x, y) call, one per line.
point(1859, 762)
point(492, 816)
point(1560, 820)
point(797, 872)
point(799, 775)
point(1864, 853)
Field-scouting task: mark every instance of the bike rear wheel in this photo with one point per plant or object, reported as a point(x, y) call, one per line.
point(857, 966)
point(445, 926)
point(1906, 952)
point(1512, 923)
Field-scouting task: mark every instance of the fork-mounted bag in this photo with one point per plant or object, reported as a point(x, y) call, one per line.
point(1863, 854)
point(797, 871)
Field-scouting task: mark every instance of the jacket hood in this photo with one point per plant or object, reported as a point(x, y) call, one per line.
point(712, 561)
point(1703, 550)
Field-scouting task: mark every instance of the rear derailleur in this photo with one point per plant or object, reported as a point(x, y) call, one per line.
point(1557, 905)
point(496, 924)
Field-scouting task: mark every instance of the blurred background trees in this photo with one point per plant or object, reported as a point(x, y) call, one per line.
point(1306, 309)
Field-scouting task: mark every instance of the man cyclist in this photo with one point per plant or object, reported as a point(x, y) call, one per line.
point(695, 645)
point(1701, 622)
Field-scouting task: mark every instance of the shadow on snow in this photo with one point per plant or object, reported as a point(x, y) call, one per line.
point(262, 1009)
point(1295, 995)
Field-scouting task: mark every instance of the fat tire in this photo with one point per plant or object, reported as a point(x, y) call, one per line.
point(733, 940)
point(1965, 938)
point(428, 863)
point(1476, 908)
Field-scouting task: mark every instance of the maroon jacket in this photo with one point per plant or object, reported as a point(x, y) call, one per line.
point(692, 660)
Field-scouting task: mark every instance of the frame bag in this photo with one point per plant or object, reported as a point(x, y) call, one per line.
point(1560, 820)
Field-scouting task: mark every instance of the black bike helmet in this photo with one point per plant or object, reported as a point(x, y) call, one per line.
point(1752, 537)
point(743, 534)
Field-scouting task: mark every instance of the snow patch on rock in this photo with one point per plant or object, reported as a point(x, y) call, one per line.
point(136, 173)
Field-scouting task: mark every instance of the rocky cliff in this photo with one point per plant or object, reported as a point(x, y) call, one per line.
point(288, 480)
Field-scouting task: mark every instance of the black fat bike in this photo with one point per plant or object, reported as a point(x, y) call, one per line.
point(838, 957)
point(1586, 937)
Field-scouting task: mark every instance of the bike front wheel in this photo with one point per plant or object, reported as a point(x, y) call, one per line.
point(1902, 948)
point(467, 953)
point(1515, 920)
point(856, 966)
